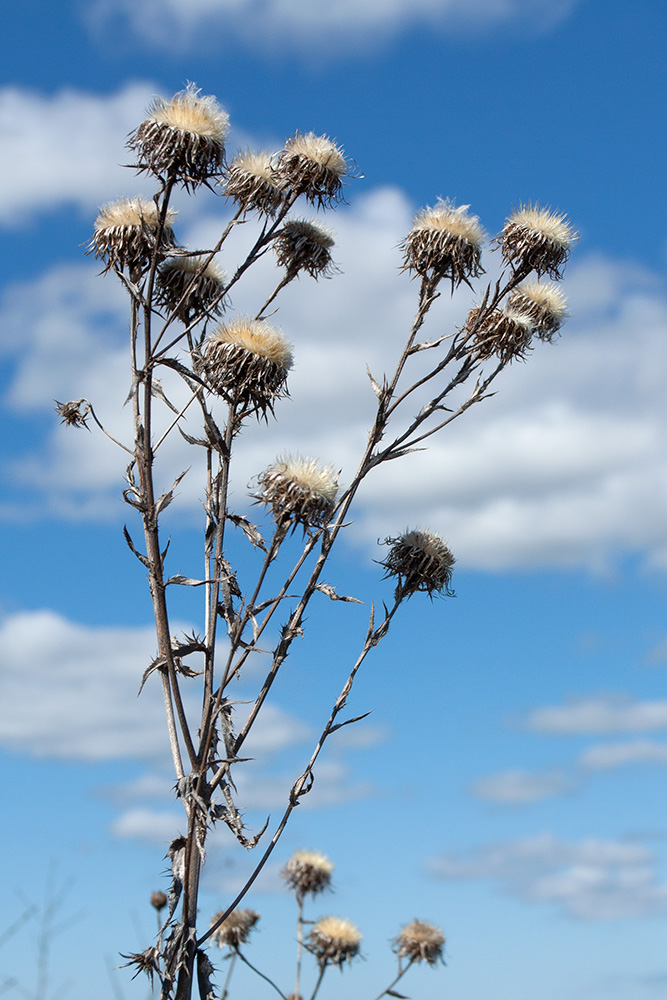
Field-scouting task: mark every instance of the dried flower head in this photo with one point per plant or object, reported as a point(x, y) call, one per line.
point(159, 900)
point(444, 242)
point(333, 941)
point(420, 942)
point(235, 930)
point(314, 166)
point(183, 137)
point(299, 491)
point(189, 287)
point(537, 239)
point(420, 561)
point(308, 872)
point(304, 246)
point(247, 361)
point(253, 182)
point(74, 413)
point(545, 305)
point(126, 234)
point(505, 333)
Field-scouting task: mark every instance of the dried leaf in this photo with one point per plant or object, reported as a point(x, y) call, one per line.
point(192, 440)
point(327, 589)
point(376, 388)
point(250, 530)
point(205, 971)
point(184, 581)
point(158, 392)
point(142, 559)
point(166, 498)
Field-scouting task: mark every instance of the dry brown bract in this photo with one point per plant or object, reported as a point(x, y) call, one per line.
point(507, 333)
point(299, 491)
point(544, 304)
point(314, 166)
point(126, 234)
point(247, 361)
point(235, 930)
point(190, 290)
point(252, 181)
point(308, 872)
point(183, 137)
point(537, 239)
point(420, 942)
point(304, 246)
point(420, 561)
point(333, 941)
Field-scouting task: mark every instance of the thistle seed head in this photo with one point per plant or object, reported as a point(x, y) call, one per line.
point(444, 242)
point(543, 303)
point(247, 361)
point(420, 561)
point(126, 234)
point(420, 942)
point(507, 333)
point(304, 246)
point(299, 491)
point(314, 166)
point(333, 941)
point(159, 900)
point(308, 872)
point(537, 239)
point(235, 930)
point(183, 137)
point(253, 182)
point(183, 287)
point(74, 413)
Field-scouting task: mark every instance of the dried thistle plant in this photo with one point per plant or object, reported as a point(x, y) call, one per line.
point(238, 372)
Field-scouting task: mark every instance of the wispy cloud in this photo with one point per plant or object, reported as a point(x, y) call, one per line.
point(521, 787)
point(591, 879)
point(606, 756)
point(599, 714)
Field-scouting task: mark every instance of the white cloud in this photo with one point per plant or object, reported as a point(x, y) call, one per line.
point(521, 787)
point(591, 879)
point(605, 756)
point(599, 714)
point(161, 825)
point(316, 26)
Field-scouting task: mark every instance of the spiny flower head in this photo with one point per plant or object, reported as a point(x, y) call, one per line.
point(302, 245)
point(333, 941)
point(444, 242)
point(314, 166)
point(299, 491)
point(235, 930)
point(247, 361)
point(420, 942)
point(505, 333)
point(253, 182)
point(537, 239)
point(183, 136)
point(420, 561)
point(544, 303)
point(190, 287)
point(126, 234)
point(308, 872)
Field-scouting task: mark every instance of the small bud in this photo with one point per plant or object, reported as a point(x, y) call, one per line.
point(537, 239)
point(304, 246)
point(333, 941)
point(543, 303)
point(247, 361)
point(126, 234)
point(253, 182)
point(444, 242)
point(507, 333)
point(420, 561)
point(183, 137)
point(299, 491)
point(184, 286)
point(314, 166)
point(158, 900)
point(420, 942)
point(235, 930)
point(308, 872)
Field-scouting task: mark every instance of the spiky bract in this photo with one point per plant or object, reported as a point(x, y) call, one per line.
point(420, 561)
point(299, 491)
point(246, 361)
point(313, 166)
point(308, 872)
point(183, 137)
point(537, 239)
point(252, 181)
point(333, 941)
point(304, 246)
point(420, 941)
point(545, 305)
point(505, 333)
point(190, 287)
point(127, 233)
point(235, 930)
point(444, 242)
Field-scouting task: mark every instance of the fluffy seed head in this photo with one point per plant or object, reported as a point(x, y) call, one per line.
point(333, 941)
point(420, 942)
point(543, 303)
point(505, 333)
point(537, 239)
point(304, 246)
point(419, 560)
point(444, 242)
point(235, 930)
point(183, 136)
point(308, 872)
point(247, 361)
point(186, 287)
point(253, 182)
point(299, 491)
point(314, 166)
point(126, 234)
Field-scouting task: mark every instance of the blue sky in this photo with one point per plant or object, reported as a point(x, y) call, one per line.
point(509, 784)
